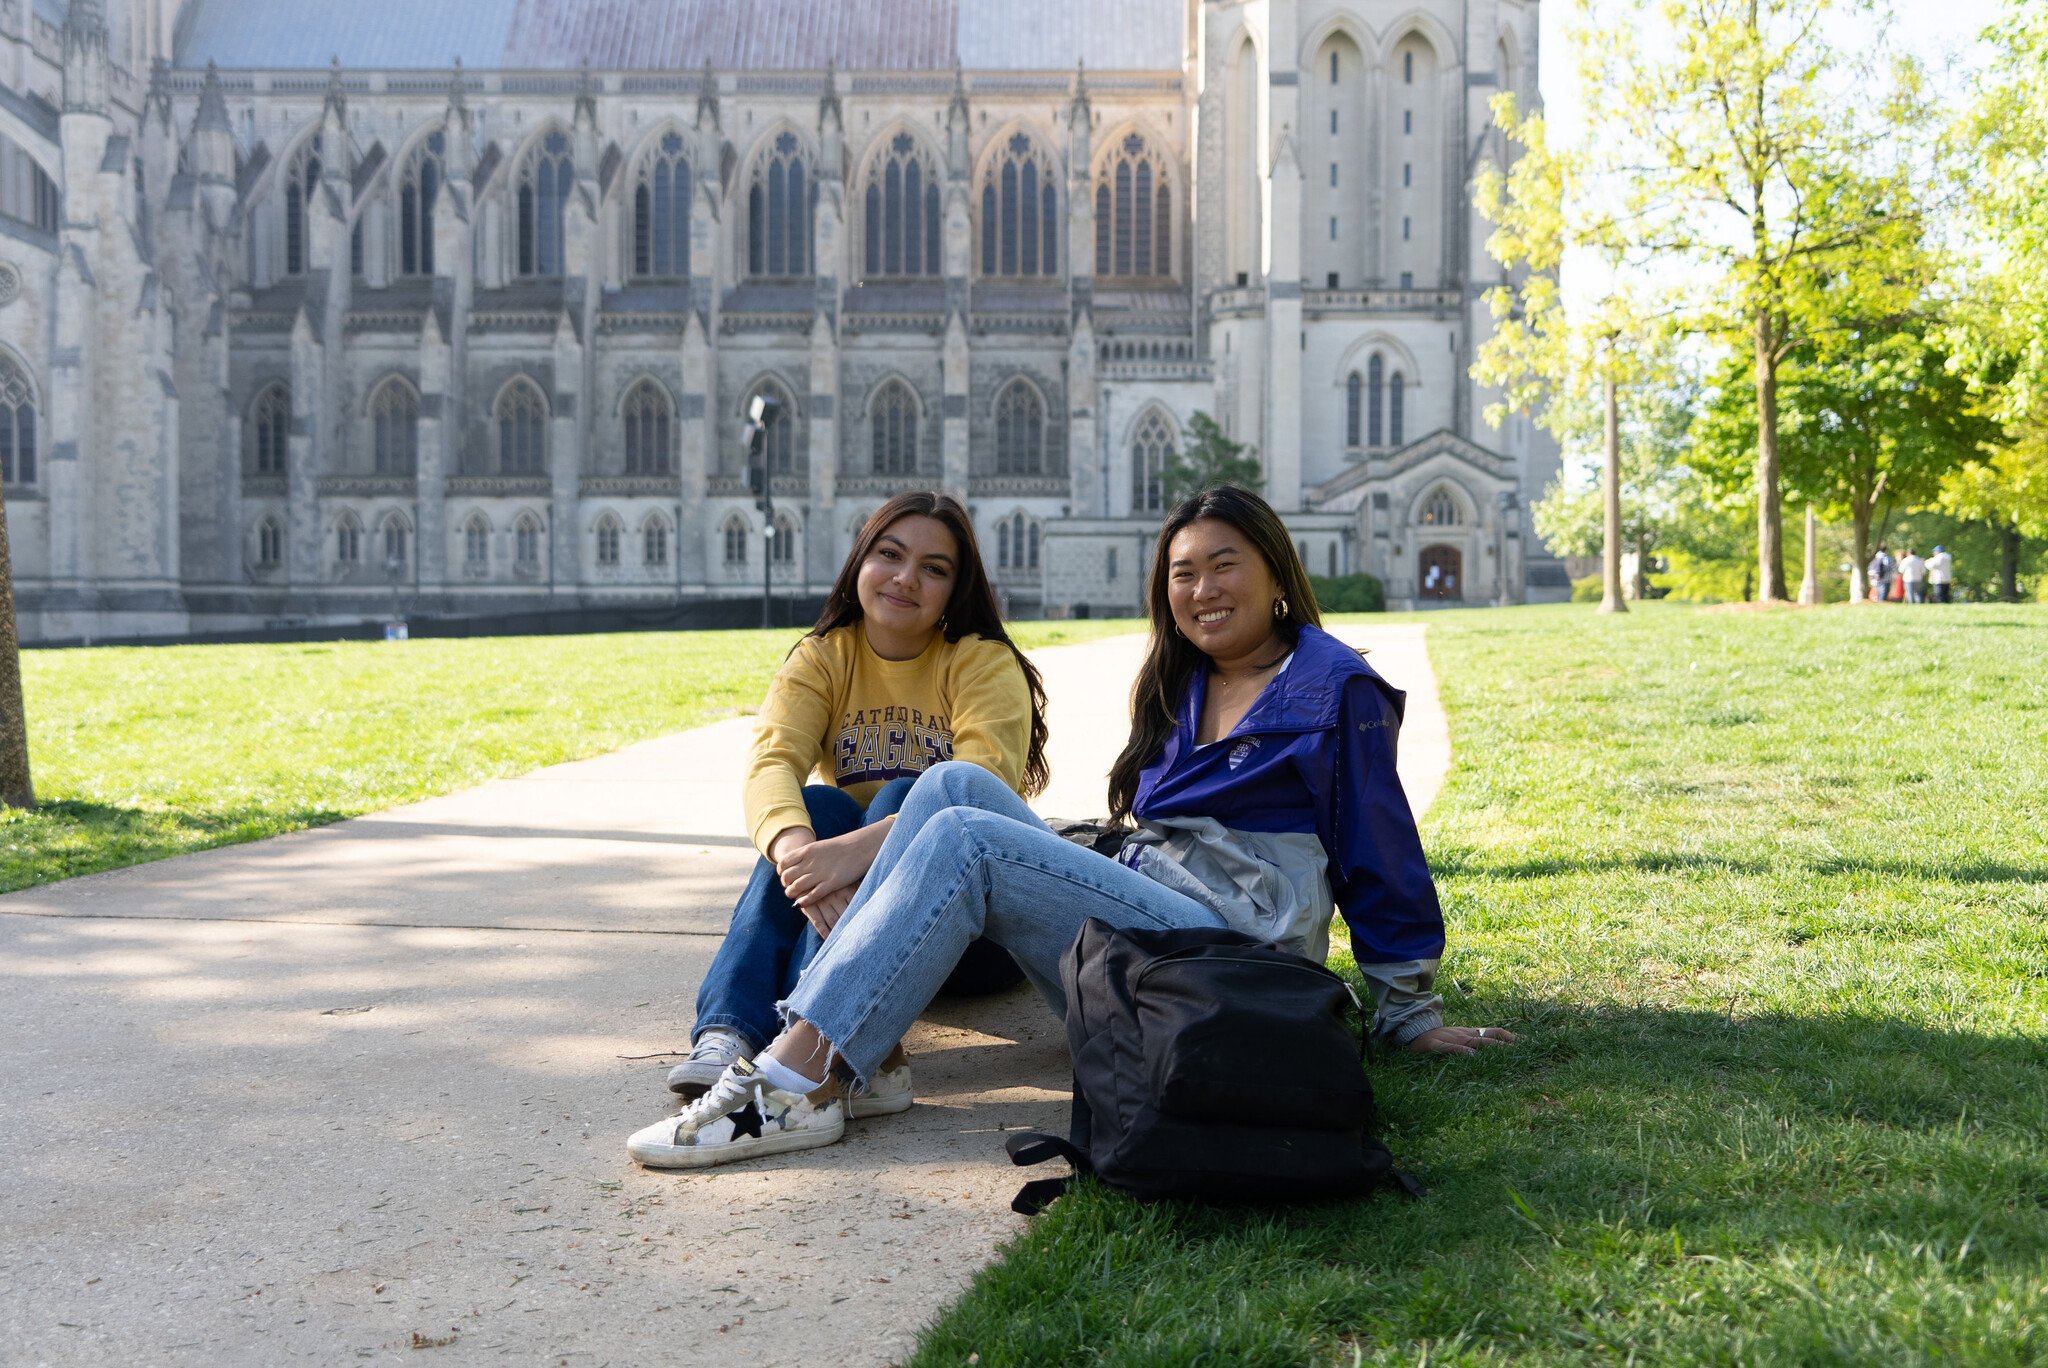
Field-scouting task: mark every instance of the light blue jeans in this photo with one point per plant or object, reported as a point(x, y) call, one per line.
point(967, 858)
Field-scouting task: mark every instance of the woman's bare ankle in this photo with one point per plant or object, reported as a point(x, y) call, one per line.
point(803, 1049)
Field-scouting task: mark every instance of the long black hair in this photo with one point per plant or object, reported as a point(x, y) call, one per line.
point(970, 609)
point(1171, 660)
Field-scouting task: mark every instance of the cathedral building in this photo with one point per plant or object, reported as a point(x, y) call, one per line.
point(309, 311)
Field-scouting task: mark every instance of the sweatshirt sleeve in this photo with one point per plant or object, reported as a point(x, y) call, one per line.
point(991, 709)
point(789, 743)
point(1377, 869)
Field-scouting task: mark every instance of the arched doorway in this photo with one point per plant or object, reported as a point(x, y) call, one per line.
point(1440, 573)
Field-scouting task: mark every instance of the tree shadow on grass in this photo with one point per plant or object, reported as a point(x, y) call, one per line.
point(1680, 1186)
point(64, 838)
point(1456, 862)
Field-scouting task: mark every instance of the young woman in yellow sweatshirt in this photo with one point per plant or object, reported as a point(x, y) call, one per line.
point(908, 666)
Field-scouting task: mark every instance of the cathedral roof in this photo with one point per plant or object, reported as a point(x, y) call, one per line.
point(859, 35)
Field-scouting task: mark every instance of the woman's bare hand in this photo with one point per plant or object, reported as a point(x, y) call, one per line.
point(824, 913)
point(1461, 1040)
point(829, 866)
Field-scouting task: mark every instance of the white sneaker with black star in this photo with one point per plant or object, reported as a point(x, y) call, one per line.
point(741, 1117)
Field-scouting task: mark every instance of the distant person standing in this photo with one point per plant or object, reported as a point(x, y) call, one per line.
point(1941, 576)
point(1913, 570)
point(1882, 568)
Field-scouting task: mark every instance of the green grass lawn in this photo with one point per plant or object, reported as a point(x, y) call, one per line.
point(1766, 895)
point(139, 753)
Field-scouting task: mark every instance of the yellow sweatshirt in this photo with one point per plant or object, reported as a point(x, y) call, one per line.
point(858, 721)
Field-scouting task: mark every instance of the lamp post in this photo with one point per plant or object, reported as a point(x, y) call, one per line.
point(394, 567)
point(1510, 504)
point(762, 411)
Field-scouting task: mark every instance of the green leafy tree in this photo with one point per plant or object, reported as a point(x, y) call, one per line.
point(1546, 360)
point(1655, 480)
point(1211, 458)
point(1762, 175)
point(2005, 488)
point(2001, 329)
point(1870, 417)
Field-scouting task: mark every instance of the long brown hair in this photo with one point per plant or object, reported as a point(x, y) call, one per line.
point(1171, 659)
point(970, 609)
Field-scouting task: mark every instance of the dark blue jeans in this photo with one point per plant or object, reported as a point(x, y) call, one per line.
point(770, 942)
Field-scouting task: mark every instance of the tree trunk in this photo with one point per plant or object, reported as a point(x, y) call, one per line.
point(1610, 547)
point(2008, 566)
point(1859, 555)
point(1809, 583)
point(1770, 520)
point(15, 788)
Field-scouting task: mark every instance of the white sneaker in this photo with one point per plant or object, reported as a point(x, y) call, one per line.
point(885, 1093)
point(740, 1118)
point(715, 1051)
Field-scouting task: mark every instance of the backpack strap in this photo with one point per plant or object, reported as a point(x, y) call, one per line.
point(1036, 1147)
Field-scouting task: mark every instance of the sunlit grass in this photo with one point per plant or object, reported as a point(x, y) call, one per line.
point(1767, 896)
point(139, 753)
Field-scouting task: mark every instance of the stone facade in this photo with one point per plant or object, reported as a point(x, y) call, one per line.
point(295, 344)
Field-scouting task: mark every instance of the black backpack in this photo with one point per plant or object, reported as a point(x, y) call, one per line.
point(1212, 1065)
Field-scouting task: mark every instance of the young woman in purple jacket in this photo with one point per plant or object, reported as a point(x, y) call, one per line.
point(1260, 781)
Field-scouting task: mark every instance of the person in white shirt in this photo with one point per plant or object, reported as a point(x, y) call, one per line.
point(1913, 570)
point(1941, 576)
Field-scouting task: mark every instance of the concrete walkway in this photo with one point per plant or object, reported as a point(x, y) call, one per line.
point(362, 1091)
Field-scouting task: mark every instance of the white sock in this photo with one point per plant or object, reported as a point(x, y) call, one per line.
point(780, 1075)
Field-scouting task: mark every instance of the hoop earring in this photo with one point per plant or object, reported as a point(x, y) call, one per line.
point(1279, 609)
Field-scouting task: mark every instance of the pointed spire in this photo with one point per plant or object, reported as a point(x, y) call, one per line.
point(586, 94)
point(829, 105)
point(458, 89)
point(337, 94)
point(213, 104)
point(707, 98)
point(85, 57)
point(86, 17)
point(158, 99)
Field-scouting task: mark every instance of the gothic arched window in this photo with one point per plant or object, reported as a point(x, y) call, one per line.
point(902, 220)
point(607, 540)
point(395, 427)
point(892, 413)
point(1441, 510)
point(646, 416)
point(1397, 390)
point(476, 543)
point(1020, 430)
point(661, 212)
point(348, 540)
point(269, 543)
point(781, 441)
point(544, 185)
point(1152, 450)
point(779, 212)
point(522, 429)
point(1375, 385)
point(395, 533)
point(1354, 397)
point(419, 191)
point(654, 540)
point(27, 194)
point(1020, 212)
point(1017, 543)
point(300, 183)
point(735, 538)
point(526, 543)
point(1133, 213)
point(17, 425)
point(270, 430)
point(782, 548)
